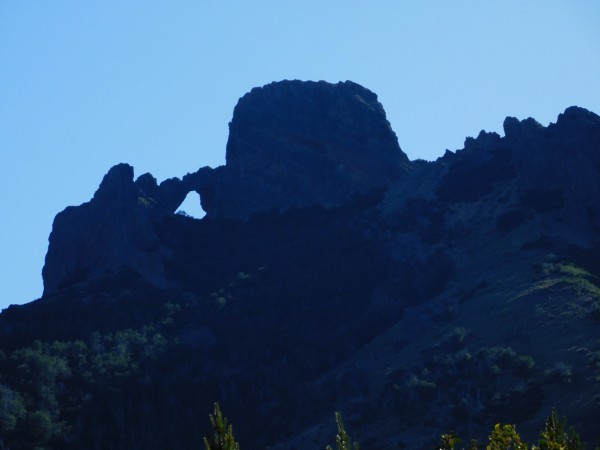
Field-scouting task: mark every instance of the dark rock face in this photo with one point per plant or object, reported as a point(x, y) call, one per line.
point(299, 144)
point(296, 144)
point(292, 144)
point(109, 232)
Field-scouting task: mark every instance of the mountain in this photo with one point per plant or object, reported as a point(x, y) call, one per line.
point(329, 273)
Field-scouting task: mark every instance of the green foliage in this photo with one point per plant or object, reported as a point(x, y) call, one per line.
point(559, 372)
point(458, 335)
point(449, 441)
point(48, 389)
point(502, 437)
point(473, 382)
point(40, 426)
point(222, 438)
point(524, 363)
point(51, 392)
point(577, 278)
point(422, 387)
point(12, 408)
point(342, 439)
point(554, 436)
point(146, 202)
point(505, 437)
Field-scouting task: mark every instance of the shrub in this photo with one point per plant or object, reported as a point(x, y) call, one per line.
point(11, 408)
point(560, 372)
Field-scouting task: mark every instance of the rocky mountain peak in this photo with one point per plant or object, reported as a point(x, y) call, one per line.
point(317, 117)
point(296, 144)
point(292, 144)
point(578, 114)
point(117, 185)
point(515, 128)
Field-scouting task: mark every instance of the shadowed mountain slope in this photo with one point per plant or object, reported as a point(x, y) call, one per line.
point(329, 273)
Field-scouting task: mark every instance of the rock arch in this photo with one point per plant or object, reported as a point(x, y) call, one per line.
point(191, 206)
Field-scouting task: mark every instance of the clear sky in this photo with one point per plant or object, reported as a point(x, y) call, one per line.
point(86, 85)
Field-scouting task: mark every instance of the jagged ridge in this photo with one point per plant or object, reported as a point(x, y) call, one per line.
point(330, 272)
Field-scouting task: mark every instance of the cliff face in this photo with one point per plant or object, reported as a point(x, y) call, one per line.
point(112, 230)
point(300, 144)
point(295, 144)
point(328, 273)
point(292, 144)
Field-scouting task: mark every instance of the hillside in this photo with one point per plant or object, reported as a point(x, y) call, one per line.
point(329, 273)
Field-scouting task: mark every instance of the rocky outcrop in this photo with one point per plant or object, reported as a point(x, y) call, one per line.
point(296, 144)
point(111, 231)
point(292, 144)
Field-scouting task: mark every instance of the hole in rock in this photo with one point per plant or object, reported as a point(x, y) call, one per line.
point(191, 206)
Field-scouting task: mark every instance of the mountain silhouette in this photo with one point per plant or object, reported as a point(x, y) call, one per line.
point(329, 273)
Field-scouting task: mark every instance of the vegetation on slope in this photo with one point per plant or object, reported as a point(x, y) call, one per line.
point(554, 436)
point(265, 319)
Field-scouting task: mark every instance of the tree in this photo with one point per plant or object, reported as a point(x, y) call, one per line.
point(554, 436)
point(12, 408)
point(505, 438)
point(222, 438)
point(449, 441)
point(342, 439)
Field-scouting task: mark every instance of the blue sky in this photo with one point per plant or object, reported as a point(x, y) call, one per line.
point(86, 85)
